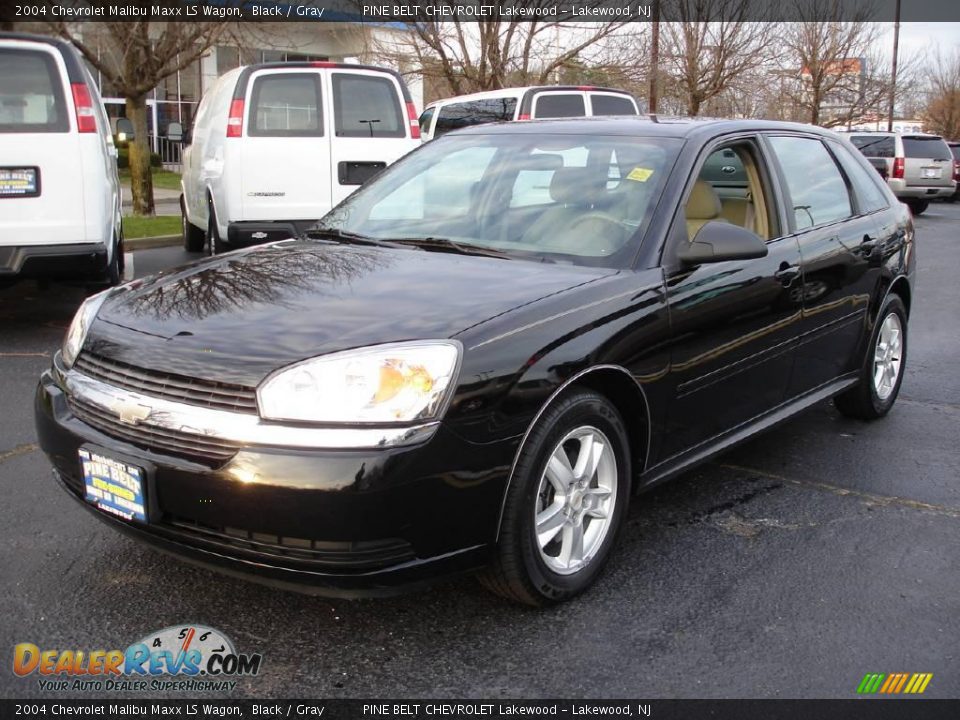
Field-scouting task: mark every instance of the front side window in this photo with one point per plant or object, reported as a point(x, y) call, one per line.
point(817, 188)
point(367, 106)
point(286, 105)
point(425, 117)
point(565, 198)
point(31, 94)
point(559, 105)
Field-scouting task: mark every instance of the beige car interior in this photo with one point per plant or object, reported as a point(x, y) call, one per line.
point(746, 207)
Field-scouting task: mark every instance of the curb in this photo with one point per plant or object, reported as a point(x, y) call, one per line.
point(148, 243)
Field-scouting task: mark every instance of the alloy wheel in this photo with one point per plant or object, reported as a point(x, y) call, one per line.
point(887, 356)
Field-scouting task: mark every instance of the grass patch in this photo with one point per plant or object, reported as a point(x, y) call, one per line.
point(161, 179)
point(135, 226)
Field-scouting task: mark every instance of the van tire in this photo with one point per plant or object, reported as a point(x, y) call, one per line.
point(113, 273)
point(193, 238)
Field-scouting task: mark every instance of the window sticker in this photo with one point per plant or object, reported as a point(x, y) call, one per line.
point(640, 174)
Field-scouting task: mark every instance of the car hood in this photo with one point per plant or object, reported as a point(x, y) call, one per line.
point(237, 317)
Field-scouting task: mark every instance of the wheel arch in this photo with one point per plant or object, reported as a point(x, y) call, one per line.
point(621, 388)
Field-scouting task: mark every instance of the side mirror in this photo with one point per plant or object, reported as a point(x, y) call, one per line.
point(187, 138)
point(124, 129)
point(720, 241)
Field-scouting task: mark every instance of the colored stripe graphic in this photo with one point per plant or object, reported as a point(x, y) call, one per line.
point(894, 683)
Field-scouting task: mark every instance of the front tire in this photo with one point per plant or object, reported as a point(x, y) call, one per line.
point(565, 505)
point(883, 366)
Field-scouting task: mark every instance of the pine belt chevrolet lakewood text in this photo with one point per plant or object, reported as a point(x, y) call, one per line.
point(474, 360)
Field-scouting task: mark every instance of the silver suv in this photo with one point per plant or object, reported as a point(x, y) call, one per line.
point(919, 166)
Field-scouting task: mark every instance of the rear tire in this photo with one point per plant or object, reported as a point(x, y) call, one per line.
point(886, 354)
point(193, 238)
point(917, 207)
point(561, 518)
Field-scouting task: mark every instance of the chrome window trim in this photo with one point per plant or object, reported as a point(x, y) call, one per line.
point(244, 428)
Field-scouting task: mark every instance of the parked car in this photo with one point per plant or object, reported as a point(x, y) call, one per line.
point(919, 166)
point(413, 388)
point(60, 198)
point(523, 103)
point(276, 145)
point(955, 151)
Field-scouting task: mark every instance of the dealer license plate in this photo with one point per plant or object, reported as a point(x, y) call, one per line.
point(16, 182)
point(114, 486)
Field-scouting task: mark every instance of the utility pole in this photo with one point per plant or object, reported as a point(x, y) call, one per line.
point(655, 56)
point(893, 80)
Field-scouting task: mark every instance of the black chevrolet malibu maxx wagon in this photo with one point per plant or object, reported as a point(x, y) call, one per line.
point(476, 359)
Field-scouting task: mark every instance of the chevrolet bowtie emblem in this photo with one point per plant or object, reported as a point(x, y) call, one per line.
point(130, 413)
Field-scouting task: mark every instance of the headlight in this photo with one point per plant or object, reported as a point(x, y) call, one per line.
point(399, 382)
point(79, 327)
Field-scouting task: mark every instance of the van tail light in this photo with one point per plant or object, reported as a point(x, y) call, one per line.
point(323, 64)
point(235, 119)
point(898, 168)
point(523, 116)
point(414, 121)
point(86, 118)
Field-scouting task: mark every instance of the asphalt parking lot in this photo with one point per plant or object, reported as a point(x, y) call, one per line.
point(790, 567)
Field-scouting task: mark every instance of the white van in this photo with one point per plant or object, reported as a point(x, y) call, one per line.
point(60, 203)
point(275, 146)
point(523, 103)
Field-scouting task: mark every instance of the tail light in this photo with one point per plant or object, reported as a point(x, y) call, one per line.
point(235, 119)
point(414, 121)
point(323, 64)
point(523, 116)
point(898, 167)
point(86, 118)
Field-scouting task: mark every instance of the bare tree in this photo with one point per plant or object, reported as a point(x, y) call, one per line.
point(831, 53)
point(468, 56)
point(942, 111)
point(135, 57)
point(714, 43)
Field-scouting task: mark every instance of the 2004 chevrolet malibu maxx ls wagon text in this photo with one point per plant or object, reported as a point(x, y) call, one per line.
point(473, 361)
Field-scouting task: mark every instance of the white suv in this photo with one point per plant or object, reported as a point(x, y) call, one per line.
point(60, 202)
point(275, 146)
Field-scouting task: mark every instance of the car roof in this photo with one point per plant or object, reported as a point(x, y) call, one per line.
point(519, 92)
point(646, 125)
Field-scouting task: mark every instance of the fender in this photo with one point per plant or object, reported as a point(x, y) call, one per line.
point(553, 396)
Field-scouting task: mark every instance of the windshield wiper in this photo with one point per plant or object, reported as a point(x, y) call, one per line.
point(347, 237)
point(439, 244)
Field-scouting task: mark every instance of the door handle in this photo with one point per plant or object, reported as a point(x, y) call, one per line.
point(787, 274)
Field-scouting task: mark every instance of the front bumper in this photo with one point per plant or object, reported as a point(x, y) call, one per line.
point(334, 522)
point(56, 262)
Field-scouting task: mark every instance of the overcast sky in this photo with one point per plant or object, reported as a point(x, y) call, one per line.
point(921, 38)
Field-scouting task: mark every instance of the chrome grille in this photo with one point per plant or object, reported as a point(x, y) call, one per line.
point(150, 437)
point(177, 388)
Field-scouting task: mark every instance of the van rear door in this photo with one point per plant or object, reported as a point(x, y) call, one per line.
point(41, 189)
point(285, 148)
point(371, 126)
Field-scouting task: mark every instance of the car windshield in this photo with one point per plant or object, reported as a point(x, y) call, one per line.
point(561, 198)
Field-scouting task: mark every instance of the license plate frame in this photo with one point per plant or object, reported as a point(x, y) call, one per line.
point(21, 181)
point(116, 485)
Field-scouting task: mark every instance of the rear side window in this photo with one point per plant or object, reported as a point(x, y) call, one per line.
point(865, 181)
point(31, 94)
point(286, 105)
point(559, 105)
point(882, 146)
point(474, 112)
point(366, 106)
point(817, 188)
point(930, 148)
point(612, 105)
